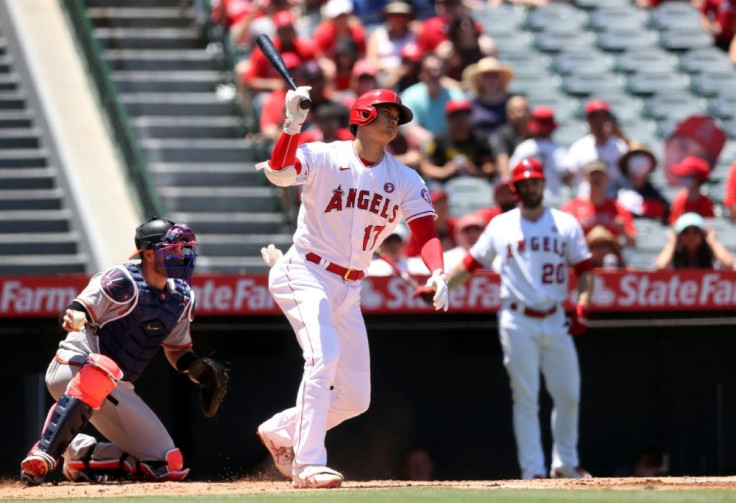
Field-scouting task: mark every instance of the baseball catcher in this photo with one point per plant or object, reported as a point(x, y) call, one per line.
point(115, 326)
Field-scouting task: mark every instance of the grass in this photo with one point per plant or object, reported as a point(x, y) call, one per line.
point(439, 495)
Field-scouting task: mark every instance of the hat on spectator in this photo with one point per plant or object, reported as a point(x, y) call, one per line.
point(437, 192)
point(291, 60)
point(346, 45)
point(704, 131)
point(412, 52)
point(595, 165)
point(334, 8)
point(599, 234)
point(637, 157)
point(597, 105)
point(689, 219)
point(457, 105)
point(283, 19)
point(469, 220)
point(363, 67)
point(398, 7)
point(692, 166)
point(541, 121)
point(311, 70)
point(489, 64)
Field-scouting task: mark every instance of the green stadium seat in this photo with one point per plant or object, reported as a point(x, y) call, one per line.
point(626, 39)
point(684, 39)
point(554, 15)
point(649, 84)
point(708, 58)
point(651, 60)
point(582, 62)
point(611, 18)
point(558, 41)
point(674, 16)
point(713, 83)
point(589, 84)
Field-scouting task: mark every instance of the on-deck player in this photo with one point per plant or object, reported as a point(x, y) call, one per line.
point(354, 195)
point(115, 326)
point(534, 246)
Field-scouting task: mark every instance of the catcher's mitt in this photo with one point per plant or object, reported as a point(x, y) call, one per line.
point(212, 378)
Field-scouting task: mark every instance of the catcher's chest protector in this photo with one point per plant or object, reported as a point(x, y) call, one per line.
point(131, 341)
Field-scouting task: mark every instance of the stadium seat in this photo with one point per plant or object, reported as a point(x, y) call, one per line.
point(667, 106)
point(626, 39)
point(713, 83)
point(652, 60)
point(593, 5)
point(684, 39)
point(514, 42)
point(704, 59)
point(582, 62)
point(556, 15)
point(468, 194)
point(674, 16)
point(649, 84)
point(611, 18)
point(557, 41)
point(589, 84)
point(722, 107)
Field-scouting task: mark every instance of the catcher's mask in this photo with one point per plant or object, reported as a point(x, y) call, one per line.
point(177, 252)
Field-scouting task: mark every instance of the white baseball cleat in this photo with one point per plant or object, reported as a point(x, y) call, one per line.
point(283, 457)
point(35, 467)
point(565, 472)
point(316, 477)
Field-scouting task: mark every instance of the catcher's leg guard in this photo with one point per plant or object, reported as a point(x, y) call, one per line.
point(172, 469)
point(69, 415)
point(87, 460)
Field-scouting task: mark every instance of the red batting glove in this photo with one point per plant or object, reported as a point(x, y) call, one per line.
point(426, 293)
point(578, 321)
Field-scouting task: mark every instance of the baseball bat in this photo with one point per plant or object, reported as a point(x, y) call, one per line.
point(277, 62)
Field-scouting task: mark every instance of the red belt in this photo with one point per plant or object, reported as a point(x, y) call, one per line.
point(532, 313)
point(344, 273)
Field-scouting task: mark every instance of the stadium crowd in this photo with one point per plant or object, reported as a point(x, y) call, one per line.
point(469, 125)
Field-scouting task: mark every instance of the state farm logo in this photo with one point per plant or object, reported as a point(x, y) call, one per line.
point(602, 295)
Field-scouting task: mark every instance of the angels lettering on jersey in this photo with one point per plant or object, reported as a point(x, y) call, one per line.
point(545, 244)
point(374, 202)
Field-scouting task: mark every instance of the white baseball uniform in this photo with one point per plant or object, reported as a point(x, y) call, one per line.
point(347, 211)
point(533, 258)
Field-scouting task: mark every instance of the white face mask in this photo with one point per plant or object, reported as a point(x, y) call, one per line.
point(639, 164)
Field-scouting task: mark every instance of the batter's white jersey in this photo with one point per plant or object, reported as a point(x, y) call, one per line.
point(348, 209)
point(533, 257)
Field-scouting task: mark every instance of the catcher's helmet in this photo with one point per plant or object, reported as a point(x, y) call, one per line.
point(526, 169)
point(363, 111)
point(149, 234)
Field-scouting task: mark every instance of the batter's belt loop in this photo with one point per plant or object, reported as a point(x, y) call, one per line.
point(343, 272)
point(532, 313)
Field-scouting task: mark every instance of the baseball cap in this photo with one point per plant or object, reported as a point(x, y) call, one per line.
point(334, 8)
point(283, 19)
point(398, 7)
point(363, 67)
point(311, 70)
point(597, 105)
point(291, 60)
point(692, 166)
point(412, 52)
point(437, 192)
point(689, 219)
point(705, 132)
point(456, 105)
point(595, 165)
point(469, 220)
point(541, 121)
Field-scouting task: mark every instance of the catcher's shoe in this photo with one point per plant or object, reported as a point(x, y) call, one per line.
point(283, 457)
point(565, 472)
point(316, 477)
point(35, 467)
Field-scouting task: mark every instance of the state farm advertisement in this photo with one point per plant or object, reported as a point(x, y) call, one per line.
point(221, 295)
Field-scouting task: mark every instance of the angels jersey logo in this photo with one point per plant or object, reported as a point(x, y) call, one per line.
point(377, 204)
point(389, 187)
point(425, 196)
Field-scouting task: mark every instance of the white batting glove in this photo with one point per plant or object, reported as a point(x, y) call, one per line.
point(271, 255)
point(74, 320)
point(295, 115)
point(438, 282)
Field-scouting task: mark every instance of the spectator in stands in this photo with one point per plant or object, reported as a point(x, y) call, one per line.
point(698, 136)
point(444, 224)
point(427, 99)
point(638, 195)
point(729, 198)
point(488, 81)
point(346, 58)
point(394, 248)
point(468, 229)
point(435, 30)
point(272, 116)
point(508, 136)
point(718, 18)
point(540, 146)
point(363, 78)
point(605, 248)
point(409, 70)
point(692, 173)
point(329, 125)
point(460, 151)
point(604, 141)
point(465, 45)
point(504, 198)
point(389, 38)
point(596, 208)
point(338, 22)
point(691, 246)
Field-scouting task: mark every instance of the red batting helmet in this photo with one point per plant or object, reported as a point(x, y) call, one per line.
point(363, 111)
point(526, 169)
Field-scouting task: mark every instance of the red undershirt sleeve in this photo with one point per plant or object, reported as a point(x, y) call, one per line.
point(284, 153)
point(431, 247)
point(471, 265)
point(584, 266)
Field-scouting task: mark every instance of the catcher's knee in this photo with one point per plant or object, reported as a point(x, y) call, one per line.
point(171, 469)
point(95, 380)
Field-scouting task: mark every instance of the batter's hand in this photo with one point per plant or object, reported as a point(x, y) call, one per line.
point(295, 115)
point(577, 321)
point(271, 255)
point(74, 321)
point(438, 283)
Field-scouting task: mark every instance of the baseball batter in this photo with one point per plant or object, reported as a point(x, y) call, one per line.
point(354, 194)
point(534, 247)
point(115, 326)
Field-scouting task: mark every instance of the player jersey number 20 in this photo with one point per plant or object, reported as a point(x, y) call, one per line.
point(553, 274)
